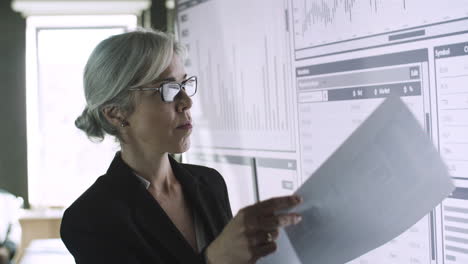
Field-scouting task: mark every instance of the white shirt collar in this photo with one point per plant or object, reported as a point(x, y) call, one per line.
point(145, 182)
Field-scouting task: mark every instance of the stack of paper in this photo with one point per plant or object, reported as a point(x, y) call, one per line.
point(380, 182)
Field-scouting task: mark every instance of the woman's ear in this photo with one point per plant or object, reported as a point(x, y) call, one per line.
point(114, 116)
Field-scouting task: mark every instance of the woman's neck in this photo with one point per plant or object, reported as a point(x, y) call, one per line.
point(154, 167)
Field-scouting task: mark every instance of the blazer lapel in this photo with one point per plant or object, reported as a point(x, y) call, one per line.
point(197, 198)
point(155, 222)
point(201, 199)
point(148, 215)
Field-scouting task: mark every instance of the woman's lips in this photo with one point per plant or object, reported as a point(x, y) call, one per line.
point(186, 126)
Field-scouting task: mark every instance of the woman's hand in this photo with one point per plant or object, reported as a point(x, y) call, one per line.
point(252, 233)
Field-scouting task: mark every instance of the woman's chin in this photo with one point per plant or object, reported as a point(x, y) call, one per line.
point(184, 147)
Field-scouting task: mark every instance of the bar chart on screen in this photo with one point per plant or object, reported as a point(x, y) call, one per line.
point(245, 95)
point(349, 19)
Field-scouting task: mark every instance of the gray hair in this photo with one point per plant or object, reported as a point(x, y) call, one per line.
point(123, 61)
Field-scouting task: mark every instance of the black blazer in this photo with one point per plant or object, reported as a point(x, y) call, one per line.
point(118, 221)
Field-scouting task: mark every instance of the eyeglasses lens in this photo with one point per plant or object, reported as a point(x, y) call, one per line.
point(169, 91)
point(190, 87)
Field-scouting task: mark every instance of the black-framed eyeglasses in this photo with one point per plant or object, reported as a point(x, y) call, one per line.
point(170, 90)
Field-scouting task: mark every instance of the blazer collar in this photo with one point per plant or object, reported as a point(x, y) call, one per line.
point(149, 215)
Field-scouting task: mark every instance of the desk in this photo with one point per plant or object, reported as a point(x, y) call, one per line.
point(38, 224)
point(47, 251)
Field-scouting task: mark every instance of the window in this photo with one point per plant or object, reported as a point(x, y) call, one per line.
point(62, 162)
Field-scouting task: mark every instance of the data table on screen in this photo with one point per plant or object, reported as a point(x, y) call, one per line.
point(345, 98)
point(350, 90)
point(451, 68)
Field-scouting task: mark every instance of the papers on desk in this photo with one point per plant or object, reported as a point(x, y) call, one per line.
point(380, 182)
point(47, 251)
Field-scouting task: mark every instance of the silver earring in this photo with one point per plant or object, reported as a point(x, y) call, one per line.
point(124, 123)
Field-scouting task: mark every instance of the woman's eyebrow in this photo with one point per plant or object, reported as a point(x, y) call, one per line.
point(169, 79)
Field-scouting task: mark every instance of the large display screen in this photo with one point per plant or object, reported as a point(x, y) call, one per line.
point(284, 82)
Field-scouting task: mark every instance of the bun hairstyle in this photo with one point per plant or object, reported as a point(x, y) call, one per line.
point(120, 62)
point(90, 125)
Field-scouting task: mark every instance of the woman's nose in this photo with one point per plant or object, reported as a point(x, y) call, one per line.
point(183, 102)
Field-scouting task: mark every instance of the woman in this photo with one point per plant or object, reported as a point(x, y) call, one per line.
point(148, 208)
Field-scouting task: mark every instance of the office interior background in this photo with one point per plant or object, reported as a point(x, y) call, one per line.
point(282, 84)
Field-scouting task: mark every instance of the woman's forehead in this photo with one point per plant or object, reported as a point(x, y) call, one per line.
point(175, 71)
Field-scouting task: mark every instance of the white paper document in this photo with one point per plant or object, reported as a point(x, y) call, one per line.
point(384, 178)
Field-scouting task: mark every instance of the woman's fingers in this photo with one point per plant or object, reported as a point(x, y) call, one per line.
point(253, 231)
point(262, 216)
point(263, 237)
point(272, 235)
point(278, 203)
point(280, 220)
point(265, 250)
